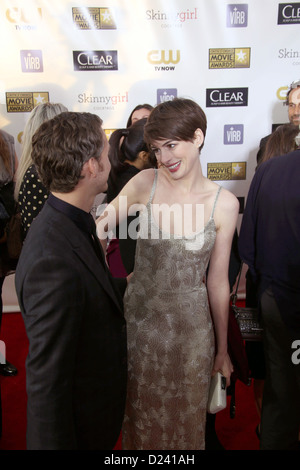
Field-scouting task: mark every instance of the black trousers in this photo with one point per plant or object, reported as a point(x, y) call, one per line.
point(280, 420)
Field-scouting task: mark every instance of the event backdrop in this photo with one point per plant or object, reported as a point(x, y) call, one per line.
point(235, 59)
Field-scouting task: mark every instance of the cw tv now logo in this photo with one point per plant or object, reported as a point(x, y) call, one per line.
point(164, 59)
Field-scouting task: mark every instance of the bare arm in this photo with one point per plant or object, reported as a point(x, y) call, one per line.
point(133, 198)
point(217, 280)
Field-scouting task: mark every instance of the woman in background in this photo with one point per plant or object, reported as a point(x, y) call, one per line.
point(128, 155)
point(141, 111)
point(29, 191)
point(8, 165)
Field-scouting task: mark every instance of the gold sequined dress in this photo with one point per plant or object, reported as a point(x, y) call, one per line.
point(170, 339)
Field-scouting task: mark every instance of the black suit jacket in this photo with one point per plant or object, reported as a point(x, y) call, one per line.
point(76, 366)
point(269, 240)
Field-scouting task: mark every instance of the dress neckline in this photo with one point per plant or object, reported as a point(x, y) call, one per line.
point(174, 235)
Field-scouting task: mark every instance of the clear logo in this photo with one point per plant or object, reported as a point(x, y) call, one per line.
point(288, 13)
point(95, 60)
point(216, 97)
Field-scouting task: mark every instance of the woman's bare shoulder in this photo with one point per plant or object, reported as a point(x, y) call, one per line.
point(139, 187)
point(227, 208)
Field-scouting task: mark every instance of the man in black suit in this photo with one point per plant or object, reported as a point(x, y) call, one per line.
point(269, 243)
point(72, 308)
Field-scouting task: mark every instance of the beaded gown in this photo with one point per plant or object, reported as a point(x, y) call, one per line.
point(170, 339)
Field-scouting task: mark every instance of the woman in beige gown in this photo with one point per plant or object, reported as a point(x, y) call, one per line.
point(176, 316)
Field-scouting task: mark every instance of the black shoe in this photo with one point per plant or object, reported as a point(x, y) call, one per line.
point(8, 369)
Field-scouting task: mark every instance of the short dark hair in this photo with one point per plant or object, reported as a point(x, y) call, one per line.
point(177, 119)
point(62, 145)
point(293, 86)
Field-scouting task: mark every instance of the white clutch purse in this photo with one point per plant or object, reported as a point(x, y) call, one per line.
point(217, 397)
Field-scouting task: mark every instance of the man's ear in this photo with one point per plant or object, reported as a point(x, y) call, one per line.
point(93, 166)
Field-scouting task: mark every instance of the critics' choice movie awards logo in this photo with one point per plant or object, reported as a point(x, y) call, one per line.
point(288, 13)
point(95, 60)
point(93, 18)
point(24, 102)
point(31, 61)
point(229, 58)
point(163, 60)
point(226, 171)
point(24, 18)
point(166, 94)
point(237, 16)
point(233, 134)
point(216, 97)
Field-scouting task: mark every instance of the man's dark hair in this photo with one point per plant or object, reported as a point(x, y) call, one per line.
point(62, 145)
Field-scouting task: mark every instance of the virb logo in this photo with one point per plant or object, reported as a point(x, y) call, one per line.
point(237, 16)
point(233, 134)
point(166, 94)
point(31, 61)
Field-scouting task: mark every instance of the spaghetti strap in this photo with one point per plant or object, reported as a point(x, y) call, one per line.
point(153, 187)
point(216, 198)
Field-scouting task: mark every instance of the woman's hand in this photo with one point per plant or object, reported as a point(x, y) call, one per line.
point(223, 364)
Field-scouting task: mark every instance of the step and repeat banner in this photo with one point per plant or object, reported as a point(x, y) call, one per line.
point(236, 60)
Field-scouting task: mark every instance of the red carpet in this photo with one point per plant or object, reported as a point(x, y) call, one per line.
point(234, 434)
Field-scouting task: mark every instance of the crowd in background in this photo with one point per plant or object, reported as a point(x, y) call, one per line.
point(156, 391)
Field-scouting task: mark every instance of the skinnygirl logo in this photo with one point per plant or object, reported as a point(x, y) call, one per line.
point(111, 100)
point(179, 16)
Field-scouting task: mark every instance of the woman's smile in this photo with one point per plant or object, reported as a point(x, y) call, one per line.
point(174, 167)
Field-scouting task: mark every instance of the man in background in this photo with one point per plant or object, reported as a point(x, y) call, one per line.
point(72, 308)
point(293, 103)
point(269, 243)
